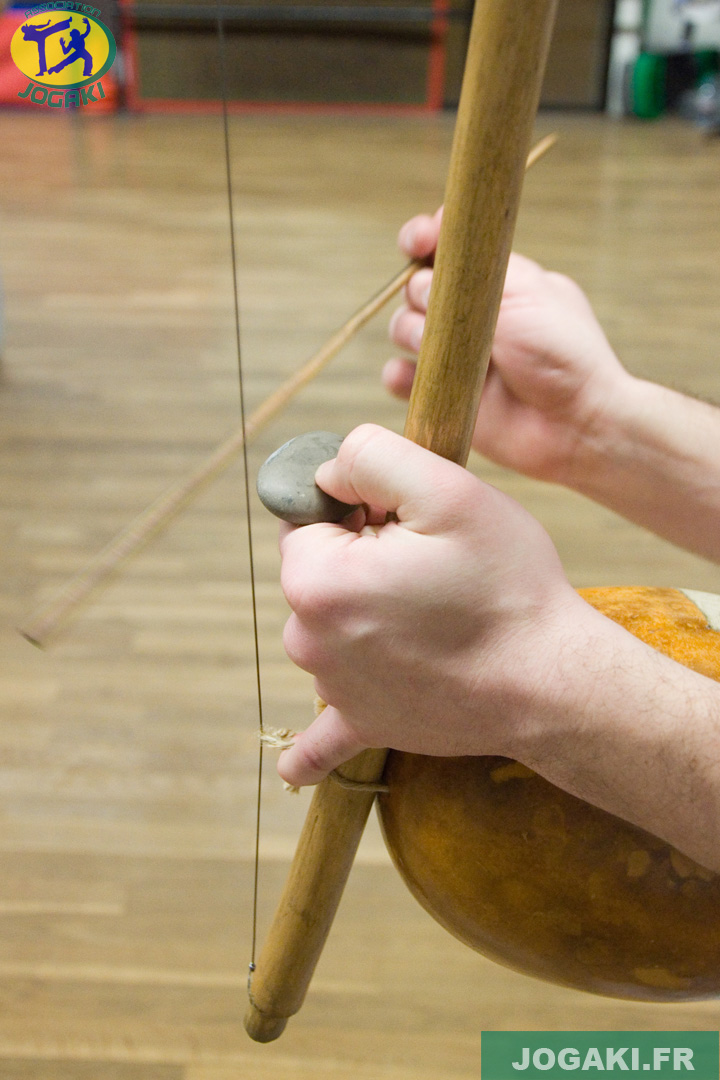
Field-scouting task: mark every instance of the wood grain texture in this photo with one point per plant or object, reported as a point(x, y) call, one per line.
point(501, 86)
point(128, 754)
point(503, 73)
point(320, 868)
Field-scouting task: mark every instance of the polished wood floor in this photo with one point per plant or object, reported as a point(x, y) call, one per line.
point(128, 751)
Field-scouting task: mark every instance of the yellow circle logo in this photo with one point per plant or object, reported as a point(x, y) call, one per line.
point(62, 49)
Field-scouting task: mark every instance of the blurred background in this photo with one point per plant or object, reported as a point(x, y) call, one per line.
point(128, 748)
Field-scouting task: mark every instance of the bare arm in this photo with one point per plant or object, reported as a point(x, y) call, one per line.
point(625, 728)
point(654, 457)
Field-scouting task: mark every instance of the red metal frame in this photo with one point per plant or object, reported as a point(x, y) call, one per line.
point(435, 83)
point(438, 55)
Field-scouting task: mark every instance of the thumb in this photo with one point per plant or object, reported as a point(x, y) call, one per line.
point(327, 743)
point(388, 472)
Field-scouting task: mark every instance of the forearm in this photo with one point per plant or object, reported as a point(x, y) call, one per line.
point(619, 725)
point(654, 459)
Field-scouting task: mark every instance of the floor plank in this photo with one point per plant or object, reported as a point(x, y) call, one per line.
point(128, 751)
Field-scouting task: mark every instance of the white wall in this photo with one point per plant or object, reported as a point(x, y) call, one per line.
point(623, 51)
point(667, 19)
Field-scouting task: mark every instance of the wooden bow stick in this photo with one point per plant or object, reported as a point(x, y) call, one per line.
point(48, 620)
point(506, 58)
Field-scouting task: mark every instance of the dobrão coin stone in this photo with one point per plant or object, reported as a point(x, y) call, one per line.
point(286, 481)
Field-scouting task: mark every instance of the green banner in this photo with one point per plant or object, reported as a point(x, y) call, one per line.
point(546, 1055)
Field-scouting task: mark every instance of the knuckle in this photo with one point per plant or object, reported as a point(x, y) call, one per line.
point(305, 583)
point(294, 589)
point(462, 496)
point(319, 601)
point(297, 645)
point(312, 758)
point(565, 283)
point(357, 443)
point(523, 273)
point(309, 651)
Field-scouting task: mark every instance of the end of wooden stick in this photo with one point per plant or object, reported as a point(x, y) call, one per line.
point(263, 1028)
point(541, 148)
point(32, 638)
point(43, 623)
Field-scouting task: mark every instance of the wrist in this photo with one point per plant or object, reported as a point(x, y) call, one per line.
point(649, 455)
point(550, 698)
point(606, 435)
point(543, 679)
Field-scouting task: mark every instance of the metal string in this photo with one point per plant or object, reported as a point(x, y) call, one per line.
point(222, 51)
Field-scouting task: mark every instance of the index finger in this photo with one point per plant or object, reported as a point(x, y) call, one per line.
point(419, 236)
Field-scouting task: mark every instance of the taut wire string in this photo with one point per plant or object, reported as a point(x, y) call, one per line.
point(222, 51)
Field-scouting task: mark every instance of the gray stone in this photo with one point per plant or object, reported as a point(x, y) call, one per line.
point(286, 481)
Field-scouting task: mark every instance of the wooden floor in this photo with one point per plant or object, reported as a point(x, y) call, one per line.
point(128, 752)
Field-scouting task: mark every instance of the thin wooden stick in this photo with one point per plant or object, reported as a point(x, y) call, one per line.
point(48, 620)
point(540, 149)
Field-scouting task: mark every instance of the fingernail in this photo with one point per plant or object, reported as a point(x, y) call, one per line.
point(323, 471)
point(425, 297)
point(406, 237)
point(416, 337)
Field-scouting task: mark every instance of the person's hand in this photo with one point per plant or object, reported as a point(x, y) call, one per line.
point(429, 634)
point(453, 631)
point(553, 379)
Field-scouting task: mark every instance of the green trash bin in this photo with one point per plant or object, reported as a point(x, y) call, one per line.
point(648, 81)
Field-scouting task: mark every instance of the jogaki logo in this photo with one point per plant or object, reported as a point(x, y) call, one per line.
point(64, 50)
